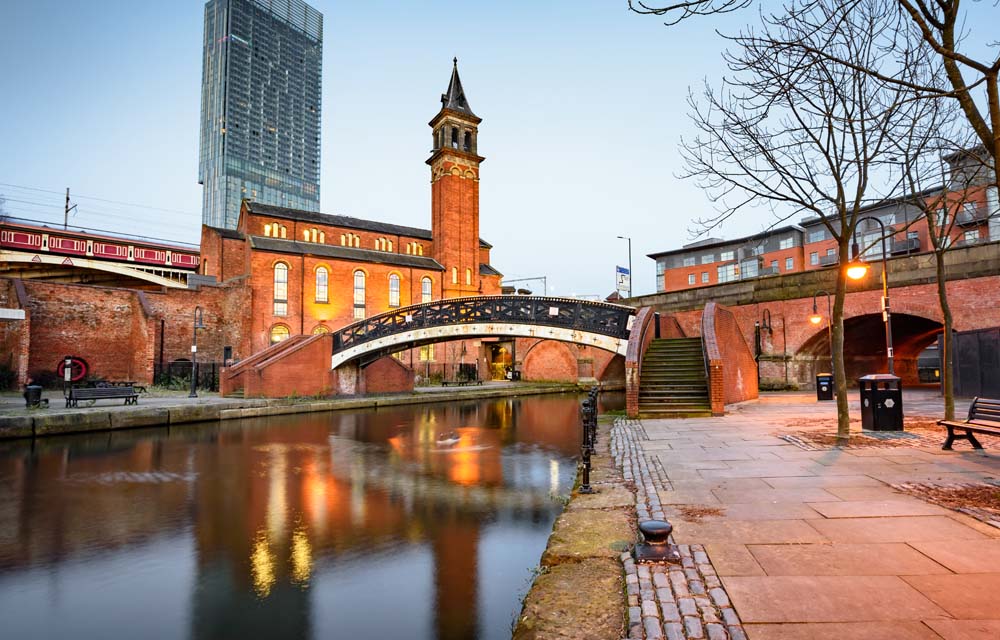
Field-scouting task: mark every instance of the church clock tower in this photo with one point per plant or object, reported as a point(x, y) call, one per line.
point(455, 191)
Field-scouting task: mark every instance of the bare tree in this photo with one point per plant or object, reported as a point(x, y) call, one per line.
point(796, 131)
point(936, 24)
point(943, 210)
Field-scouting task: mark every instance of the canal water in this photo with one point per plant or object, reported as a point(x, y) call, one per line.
point(415, 522)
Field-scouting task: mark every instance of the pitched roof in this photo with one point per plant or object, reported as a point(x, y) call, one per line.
point(344, 253)
point(344, 221)
point(487, 270)
point(454, 98)
point(230, 234)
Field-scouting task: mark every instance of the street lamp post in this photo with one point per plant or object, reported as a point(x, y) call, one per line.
point(629, 263)
point(815, 318)
point(199, 323)
point(857, 268)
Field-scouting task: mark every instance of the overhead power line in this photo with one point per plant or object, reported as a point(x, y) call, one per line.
point(108, 200)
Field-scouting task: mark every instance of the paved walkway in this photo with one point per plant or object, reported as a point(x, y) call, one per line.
point(816, 544)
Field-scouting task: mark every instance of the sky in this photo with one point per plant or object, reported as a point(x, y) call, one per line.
point(583, 106)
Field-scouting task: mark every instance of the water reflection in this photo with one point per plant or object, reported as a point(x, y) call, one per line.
point(348, 525)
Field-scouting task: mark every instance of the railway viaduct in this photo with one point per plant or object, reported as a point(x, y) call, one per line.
point(793, 350)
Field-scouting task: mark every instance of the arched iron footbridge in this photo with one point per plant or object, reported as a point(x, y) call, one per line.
point(597, 324)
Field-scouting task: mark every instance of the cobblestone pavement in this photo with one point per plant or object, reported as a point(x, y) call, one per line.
point(676, 602)
point(810, 543)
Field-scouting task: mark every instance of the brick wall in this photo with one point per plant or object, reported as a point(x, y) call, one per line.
point(386, 375)
point(730, 355)
point(641, 335)
point(15, 335)
point(302, 369)
point(549, 360)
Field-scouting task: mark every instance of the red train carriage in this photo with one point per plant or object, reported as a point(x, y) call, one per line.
point(45, 240)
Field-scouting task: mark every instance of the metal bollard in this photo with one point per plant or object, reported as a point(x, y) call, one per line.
point(586, 447)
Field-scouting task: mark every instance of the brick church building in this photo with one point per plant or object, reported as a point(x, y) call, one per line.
point(284, 272)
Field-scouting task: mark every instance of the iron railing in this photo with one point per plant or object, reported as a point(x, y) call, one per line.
point(566, 313)
point(177, 374)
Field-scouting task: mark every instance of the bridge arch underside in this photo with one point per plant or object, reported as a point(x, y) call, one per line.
point(77, 270)
point(865, 349)
point(368, 352)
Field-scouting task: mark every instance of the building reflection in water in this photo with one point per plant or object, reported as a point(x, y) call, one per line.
point(278, 506)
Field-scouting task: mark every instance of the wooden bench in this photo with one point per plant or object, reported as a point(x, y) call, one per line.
point(984, 417)
point(460, 383)
point(100, 393)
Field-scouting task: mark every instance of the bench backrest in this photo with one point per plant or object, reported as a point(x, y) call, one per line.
point(102, 392)
point(985, 409)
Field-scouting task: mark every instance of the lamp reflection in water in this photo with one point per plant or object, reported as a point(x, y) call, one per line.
point(262, 565)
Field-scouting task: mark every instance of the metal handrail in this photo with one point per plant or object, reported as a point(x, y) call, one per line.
point(570, 313)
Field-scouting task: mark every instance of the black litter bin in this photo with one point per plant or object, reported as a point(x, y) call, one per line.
point(32, 395)
point(881, 402)
point(824, 386)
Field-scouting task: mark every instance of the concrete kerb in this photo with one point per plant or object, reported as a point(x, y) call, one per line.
point(54, 422)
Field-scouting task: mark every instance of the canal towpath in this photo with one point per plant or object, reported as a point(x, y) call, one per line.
point(812, 541)
point(164, 408)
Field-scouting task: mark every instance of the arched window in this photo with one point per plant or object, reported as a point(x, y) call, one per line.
point(420, 249)
point(425, 290)
point(409, 247)
point(322, 285)
point(357, 242)
point(467, 141)
point(454, 137)
point(267, 230)
point(468, 276)
point(454, 275)
point(321, 329)
point(305, 235)
point(393, 290)
point(359, 295)
point(389, 243)
point(322, 237)
point(284, 231)
point(279, 332)
point(281, 289)
point(343, 240)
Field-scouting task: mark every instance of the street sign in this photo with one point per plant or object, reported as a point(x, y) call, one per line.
point(623, 279)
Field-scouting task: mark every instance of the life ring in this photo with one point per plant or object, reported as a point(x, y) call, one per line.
point(78, 368)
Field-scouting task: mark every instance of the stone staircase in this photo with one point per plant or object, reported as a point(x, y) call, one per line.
point(672, 381)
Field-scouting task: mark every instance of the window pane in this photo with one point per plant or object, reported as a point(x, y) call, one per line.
point(393, 290)
point(322, 287)
point(279, 333)
point(425, 290)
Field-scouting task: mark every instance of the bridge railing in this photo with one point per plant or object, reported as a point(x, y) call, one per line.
point(568, 313)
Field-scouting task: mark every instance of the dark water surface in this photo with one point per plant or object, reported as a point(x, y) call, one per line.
point(325, 525)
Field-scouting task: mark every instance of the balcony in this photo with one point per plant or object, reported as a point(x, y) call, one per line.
point(828, 261)
point(768, 271)
point(902, 247)
point(969, 218)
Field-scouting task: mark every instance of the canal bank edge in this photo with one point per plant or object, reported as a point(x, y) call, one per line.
point(579, 590)
point(62, 422)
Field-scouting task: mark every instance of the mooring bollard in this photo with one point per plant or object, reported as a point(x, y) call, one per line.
point(586, 447)
point(657, 547)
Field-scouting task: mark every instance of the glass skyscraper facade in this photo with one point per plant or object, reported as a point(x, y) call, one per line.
point(260, 107)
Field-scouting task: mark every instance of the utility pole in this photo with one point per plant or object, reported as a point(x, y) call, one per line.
point(68, 209)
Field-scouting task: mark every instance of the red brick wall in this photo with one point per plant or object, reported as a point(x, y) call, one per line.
point(549, 360)
point(300, 370)
point(119, 336)
point(639, 338)
point(15, 335)
point(386, 375)
point(729, 354)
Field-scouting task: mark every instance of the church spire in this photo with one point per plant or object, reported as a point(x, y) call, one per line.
point(454, 98)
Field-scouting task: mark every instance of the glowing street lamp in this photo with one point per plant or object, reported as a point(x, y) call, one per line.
point(857, 269)
point(816, 318)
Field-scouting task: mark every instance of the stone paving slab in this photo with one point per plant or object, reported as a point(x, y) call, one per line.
point(975, 596)
point(899, 529)
point(889, 559)
point(900, 506)
point(748, 532)
point(843, 631)
point(970, 556)
point(828, 599)
point(733, 560)
point(966, 629)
